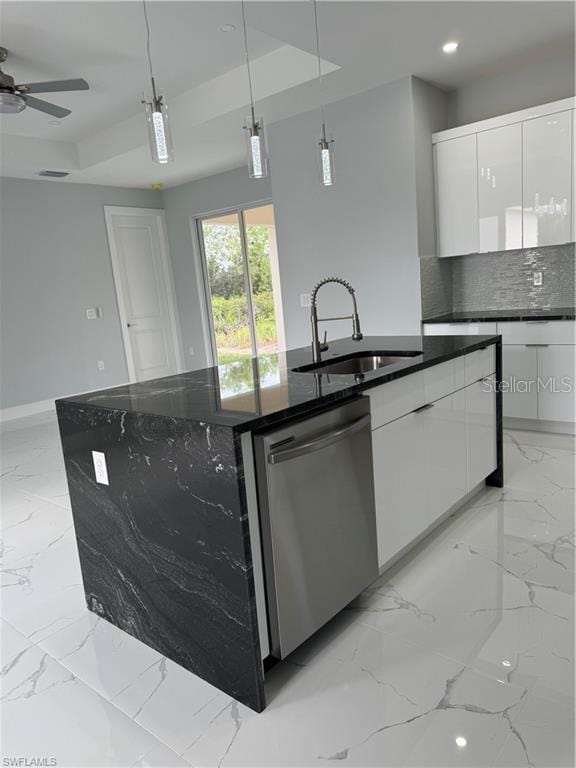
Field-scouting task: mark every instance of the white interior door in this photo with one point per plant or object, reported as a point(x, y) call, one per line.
point(144, 289)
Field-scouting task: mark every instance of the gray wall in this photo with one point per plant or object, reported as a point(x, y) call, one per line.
point(364, 228)
point(216, 193)
point(543, 78)
point(55, 263)
point(430, 115)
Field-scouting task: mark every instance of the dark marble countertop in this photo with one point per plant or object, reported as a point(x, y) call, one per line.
point(256, 392)
point(505, 315)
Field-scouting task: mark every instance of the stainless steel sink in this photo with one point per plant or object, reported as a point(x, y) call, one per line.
point(355, 364)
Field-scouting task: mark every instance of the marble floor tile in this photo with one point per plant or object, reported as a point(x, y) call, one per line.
point(541, 439)
point(543, 735)
point(13, 643)
point(42, 590)
point(100, 654)
point(172, 703)
point(40, 475)
point(356, 696)
point(161, 757)
point(48, 713)
point(461, 655)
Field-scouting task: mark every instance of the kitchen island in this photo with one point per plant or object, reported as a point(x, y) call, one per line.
point(161, 480)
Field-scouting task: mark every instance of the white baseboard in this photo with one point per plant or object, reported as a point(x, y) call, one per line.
point(540, 425)
point(28, 409)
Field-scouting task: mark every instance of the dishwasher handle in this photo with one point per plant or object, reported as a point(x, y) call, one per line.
point(318, 443)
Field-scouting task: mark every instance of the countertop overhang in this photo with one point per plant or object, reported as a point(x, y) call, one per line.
point(253, 393)
point(505, 315)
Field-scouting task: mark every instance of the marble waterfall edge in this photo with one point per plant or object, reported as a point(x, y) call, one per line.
point(164, 548)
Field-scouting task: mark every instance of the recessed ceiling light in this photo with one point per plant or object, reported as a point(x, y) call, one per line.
point(461, 741)
point(450, 47)
point(227, 28)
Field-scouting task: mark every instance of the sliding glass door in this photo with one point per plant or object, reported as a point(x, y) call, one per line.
point(242, 286)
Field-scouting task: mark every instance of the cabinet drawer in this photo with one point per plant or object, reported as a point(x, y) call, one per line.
point(443, 379)
point(538, 332)
point(460, 329)
point(396, 398)
point(479, 364)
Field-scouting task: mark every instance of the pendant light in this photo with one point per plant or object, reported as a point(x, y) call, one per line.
point(159, 133)
point(254, 126)
point(325, 145)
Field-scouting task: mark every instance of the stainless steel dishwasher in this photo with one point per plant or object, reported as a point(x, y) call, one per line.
point(318, 522)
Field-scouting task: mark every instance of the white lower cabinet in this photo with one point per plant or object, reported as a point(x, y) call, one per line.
point(519, 374)
point(399, 455)
point(538, 368)
point(480, 430)
point(445, 441)
point(427, 460)
point(556, 377)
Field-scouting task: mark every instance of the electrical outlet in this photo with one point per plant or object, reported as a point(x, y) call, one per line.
point(101, 365)
point(537, 278)
point(191, 351)
point(100, 468)
point(92, 314)
point(305, 300)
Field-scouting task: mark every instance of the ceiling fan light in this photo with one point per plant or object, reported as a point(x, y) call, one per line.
point(11, 103)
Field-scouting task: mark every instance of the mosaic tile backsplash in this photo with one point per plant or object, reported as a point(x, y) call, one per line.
point(501, 280)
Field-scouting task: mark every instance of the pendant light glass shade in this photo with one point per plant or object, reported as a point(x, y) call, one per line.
point(256, 148)
point(326, 157)
point(253, 126)
point(325, 145)
point(159, 134)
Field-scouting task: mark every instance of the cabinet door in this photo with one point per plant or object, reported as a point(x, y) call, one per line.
point(500, 188)
point(399, 455)
point(457, 196)
point(520, 374)
point(556, 375)
point(481, 430)
point(446, 475)
point(547, 179)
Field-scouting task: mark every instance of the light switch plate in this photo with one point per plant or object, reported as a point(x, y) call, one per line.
point(537, 276)
point(92, 314)
point(305, 300)
point(100, 468)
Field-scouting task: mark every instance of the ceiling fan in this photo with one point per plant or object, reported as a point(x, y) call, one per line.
point(15, 98)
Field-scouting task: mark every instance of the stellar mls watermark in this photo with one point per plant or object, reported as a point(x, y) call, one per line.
point(514, 384)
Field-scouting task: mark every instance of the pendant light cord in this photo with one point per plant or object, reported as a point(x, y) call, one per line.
point(319, 66)
point(148, 47)
point(247, 59)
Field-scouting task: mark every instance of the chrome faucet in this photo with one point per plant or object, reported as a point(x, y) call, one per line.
point(321, 346)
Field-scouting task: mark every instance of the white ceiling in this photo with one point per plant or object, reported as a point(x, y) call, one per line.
point(202, 70)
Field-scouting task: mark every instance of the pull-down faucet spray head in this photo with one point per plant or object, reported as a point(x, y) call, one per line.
point(317, 345)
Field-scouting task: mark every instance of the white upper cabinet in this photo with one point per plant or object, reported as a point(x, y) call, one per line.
point(500, 188)
point(505, 183)
point(547, 179)
point(457, 196)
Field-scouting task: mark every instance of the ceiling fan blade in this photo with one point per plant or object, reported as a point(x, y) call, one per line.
point(46, 106)
point(53, 86)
